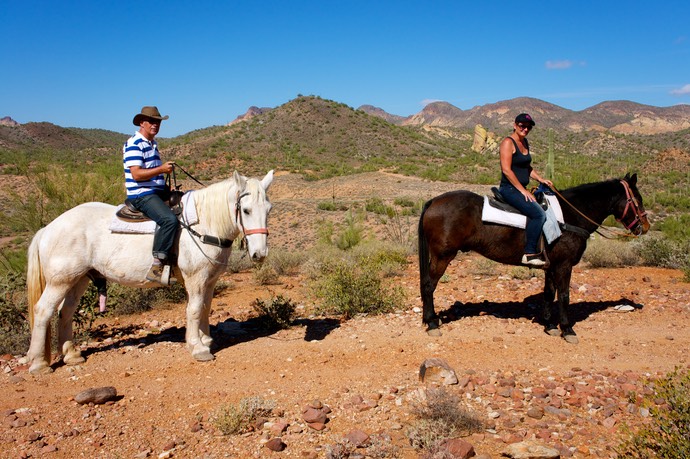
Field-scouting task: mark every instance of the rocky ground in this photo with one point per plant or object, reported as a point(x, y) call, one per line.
point(362, 374)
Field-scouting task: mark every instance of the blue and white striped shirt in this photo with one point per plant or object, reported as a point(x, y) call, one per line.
point(139, 151)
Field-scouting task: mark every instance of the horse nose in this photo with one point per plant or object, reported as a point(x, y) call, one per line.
point(258, 257)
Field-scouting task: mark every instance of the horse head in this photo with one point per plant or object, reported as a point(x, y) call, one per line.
point(251, 213)
point(630, 210)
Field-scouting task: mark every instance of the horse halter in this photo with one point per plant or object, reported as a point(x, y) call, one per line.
point(631, 204)
point(238, 218)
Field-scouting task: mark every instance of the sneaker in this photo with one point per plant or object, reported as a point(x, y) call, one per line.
point(533, 260)
point(160, 274)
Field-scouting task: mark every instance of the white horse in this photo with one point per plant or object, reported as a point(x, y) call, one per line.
point(78, 243)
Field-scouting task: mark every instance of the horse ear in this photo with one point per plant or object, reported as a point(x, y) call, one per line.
point(239, 180)
point(632, 179)
point(266, 181)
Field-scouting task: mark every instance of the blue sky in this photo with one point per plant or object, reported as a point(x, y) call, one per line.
point(95, 64)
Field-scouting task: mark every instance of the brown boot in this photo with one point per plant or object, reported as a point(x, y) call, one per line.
point(161, 274)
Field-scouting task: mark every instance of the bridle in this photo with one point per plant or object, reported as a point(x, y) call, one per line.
point(240, 223)
point(631, 204)
point(214, 240)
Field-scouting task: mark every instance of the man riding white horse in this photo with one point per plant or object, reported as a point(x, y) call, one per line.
point(146, 188)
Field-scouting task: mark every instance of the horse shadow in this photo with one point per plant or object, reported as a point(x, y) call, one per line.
point(530, 308)
point(225, 334)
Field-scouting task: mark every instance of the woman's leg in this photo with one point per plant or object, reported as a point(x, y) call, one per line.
point(534, 213)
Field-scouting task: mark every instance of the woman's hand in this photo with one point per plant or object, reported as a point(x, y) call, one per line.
point(529, 197)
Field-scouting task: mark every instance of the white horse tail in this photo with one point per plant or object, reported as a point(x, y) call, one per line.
point(35, 284)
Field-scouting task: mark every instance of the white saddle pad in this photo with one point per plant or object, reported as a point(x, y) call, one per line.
point(491, 214)
point(149, 226)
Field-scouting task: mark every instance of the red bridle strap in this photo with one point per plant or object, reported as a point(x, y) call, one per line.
point(631, 204)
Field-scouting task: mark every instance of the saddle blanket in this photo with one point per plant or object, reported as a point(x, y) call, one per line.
point(554, 216)
point(189, 216)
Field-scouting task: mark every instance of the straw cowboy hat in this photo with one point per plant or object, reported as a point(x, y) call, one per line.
point(148, 112)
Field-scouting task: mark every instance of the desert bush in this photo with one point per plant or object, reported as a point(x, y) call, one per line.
point(286, 262)
point(331, 206)
point(483, 267)
point(610, 253)
point(352, 234)
point(348, 289)
point(265, 274)
point(439, 417)
point(233, 419)
point(377, 206)
point(14, 326)
point(379, 446)
point(275, 313)
point(400, 229)
point(666, 435)
point(657, 250)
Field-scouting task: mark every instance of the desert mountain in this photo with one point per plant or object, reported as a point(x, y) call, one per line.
point(623, 117)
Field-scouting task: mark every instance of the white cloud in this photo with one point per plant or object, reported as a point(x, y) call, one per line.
point(426, 102)
point(558, 65)
point(681, 91)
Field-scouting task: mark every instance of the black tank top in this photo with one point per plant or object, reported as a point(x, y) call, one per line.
point(520, 165)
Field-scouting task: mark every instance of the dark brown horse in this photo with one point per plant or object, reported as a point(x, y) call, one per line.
point(452, 222)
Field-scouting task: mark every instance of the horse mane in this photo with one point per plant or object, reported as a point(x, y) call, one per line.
point(588, 190)
point(215, 205)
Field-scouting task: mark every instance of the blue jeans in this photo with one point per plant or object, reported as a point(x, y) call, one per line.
point(153, 207)
point(533, 211)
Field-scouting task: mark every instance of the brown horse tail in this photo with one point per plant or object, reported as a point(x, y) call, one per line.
point(423, 250)
point(35, 284)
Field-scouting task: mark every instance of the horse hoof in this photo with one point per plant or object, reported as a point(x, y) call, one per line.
point(554, 331)
point(71, 361)
point(203, 357)
point(434, 332)
point(572, 339)
point(40, 370)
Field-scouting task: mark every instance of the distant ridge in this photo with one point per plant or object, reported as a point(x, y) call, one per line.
point(623, 117)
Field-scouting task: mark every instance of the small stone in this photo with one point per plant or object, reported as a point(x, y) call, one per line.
point(357, 437)
point(458, 448)
point(275, 444)
point(312, 415)
point(530, 450)
point(96, 395)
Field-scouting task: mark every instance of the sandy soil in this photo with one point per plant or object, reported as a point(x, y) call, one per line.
point(366, 370)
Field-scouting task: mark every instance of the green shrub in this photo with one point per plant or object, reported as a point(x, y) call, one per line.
point(352, 234)
point(265, 274)
point(286, 262)
point(611, 253)
point(348, 289)
point(276, 313)
point(656, 250)
point(666, 435)
point(14, 325)
point(377, 206)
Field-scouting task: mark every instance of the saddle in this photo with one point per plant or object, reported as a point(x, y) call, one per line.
point(130, 214)
point(499, 202)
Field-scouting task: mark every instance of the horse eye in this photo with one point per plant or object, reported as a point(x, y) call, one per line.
point(246, 211)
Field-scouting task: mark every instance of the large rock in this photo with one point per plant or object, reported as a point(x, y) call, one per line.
point(436, 369)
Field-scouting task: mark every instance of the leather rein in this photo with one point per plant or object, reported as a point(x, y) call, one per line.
point(631, 204)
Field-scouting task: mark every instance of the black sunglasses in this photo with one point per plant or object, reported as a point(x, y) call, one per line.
point(525, 126)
